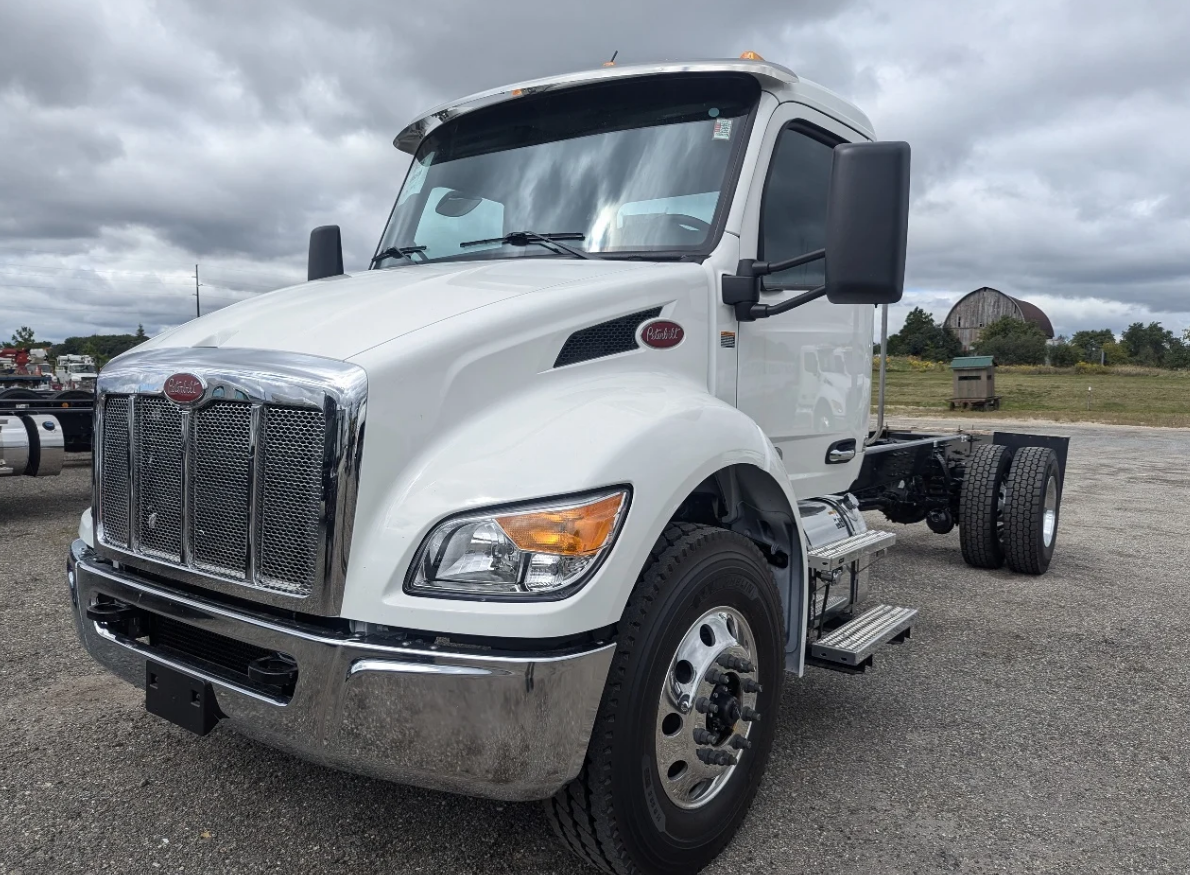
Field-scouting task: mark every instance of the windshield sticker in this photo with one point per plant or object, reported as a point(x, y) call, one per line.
point(417, 178)
point(722, 129)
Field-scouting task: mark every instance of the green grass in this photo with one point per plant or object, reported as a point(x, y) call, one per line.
point(1132, 396)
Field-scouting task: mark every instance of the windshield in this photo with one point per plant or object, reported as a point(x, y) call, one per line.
point(635, 167)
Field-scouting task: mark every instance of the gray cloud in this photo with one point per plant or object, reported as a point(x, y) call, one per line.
point(139, 138)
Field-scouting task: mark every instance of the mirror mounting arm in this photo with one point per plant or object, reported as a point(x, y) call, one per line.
point(763, 311)
point(742, 289)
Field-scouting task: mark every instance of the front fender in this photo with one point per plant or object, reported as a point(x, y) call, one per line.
point(655, 432)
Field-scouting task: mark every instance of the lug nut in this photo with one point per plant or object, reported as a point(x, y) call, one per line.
point(704, 736)
point(715, 676)
point(714, 757)
point(703, 705)
point(734, 663)
point(740, 743)
point(749, 715)
point(750, 686)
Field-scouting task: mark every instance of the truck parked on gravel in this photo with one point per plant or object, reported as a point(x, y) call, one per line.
point(554, 499)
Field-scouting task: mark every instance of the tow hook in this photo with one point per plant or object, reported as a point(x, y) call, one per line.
point(275, 670)
point(120, 618)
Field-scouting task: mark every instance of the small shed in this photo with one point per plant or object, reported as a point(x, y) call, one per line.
point(974, 383)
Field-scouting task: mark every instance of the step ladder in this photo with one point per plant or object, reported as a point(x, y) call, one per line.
point(850, 647)
point(836, 555)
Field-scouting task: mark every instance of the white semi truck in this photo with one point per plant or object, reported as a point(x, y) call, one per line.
point(554, 499)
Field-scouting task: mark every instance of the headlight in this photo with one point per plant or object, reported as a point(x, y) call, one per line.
point(543, 550)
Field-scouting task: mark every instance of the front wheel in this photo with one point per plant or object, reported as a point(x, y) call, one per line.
point(686, 723)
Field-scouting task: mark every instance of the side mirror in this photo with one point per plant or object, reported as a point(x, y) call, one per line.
point(326, 253)
point(867, 222)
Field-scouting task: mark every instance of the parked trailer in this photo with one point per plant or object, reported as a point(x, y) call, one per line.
point(610, 498)
point(53, 423)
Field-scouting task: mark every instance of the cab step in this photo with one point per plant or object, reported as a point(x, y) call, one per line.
point(833, 556)
point(849, 648)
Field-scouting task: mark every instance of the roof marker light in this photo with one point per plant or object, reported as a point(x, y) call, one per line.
point(751, 56)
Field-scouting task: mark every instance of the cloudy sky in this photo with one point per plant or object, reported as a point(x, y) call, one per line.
point(138, 138)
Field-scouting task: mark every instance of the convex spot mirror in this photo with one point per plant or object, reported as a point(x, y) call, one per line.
point(455, 204)
point(867, 222)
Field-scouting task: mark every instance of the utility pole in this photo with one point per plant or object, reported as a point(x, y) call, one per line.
point(197, 302)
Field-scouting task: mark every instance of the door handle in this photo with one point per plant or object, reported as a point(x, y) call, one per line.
point(840, 452)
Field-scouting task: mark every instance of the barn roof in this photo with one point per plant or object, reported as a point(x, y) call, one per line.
point(1030, 312)
point(1034, 314)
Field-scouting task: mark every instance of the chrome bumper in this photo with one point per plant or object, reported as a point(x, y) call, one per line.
point(511, 727)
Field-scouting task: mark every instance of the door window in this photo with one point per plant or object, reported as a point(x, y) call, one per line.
point(793, 211)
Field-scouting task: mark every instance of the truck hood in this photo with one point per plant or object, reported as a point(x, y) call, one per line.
point(342, 316)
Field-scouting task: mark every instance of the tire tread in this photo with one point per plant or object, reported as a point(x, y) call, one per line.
point(1025, 505)
point(977, 507)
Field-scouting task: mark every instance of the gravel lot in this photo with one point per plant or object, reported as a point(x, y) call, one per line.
point(1032, 725)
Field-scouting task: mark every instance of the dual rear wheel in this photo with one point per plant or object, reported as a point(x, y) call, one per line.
point(1009, 508)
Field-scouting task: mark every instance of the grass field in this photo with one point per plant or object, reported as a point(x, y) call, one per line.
point(1129, 396)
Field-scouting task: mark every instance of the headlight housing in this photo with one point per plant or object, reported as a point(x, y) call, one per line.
point(544, 550)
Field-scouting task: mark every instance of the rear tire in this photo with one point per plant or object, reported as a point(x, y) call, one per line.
point(618, 814)
point(981, 506)
point(1033, 500)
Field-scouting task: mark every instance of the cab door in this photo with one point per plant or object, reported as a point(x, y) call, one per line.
point(804, 376)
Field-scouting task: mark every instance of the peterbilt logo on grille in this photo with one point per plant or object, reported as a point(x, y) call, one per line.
point(662, 334)
point(183, 388)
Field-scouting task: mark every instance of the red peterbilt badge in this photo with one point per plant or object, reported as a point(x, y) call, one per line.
point(183, 388)
point(662, 334)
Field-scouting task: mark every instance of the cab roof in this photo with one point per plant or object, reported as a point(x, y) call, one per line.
point(780, 81)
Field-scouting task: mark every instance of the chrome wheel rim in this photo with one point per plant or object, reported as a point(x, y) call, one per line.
point(707, 703)
point(1049, 517)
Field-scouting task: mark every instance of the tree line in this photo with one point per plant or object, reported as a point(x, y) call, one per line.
point(101, 347)
point(1014, 342)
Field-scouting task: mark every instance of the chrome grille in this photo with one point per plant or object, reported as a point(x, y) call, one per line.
point(113, 472)
point(158, 472)
point(291, 485)
point(220, 487)
point(202, 502)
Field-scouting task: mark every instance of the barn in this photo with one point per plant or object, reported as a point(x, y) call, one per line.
point(984, 306)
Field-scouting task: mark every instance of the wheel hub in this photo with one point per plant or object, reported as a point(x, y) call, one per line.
point(1049, 519)
point(706, 708)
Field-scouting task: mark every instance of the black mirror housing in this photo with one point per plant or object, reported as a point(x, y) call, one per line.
point(867, 223)
point(326, 253)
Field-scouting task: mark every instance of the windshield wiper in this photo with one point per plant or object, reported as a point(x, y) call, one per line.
point(405, 252)
point(549, 241)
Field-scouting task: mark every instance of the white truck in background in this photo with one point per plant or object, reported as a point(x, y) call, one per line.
point(541, 505)
point(74, 371)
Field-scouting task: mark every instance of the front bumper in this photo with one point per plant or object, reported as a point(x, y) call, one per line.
point(508, 726)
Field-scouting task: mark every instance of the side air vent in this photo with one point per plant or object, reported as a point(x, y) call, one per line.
point(606, 338)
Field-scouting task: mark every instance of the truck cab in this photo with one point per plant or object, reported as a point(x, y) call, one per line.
point(559, 485)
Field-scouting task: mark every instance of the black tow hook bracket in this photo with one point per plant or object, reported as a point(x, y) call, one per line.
point(120, 618)
point(275, 670)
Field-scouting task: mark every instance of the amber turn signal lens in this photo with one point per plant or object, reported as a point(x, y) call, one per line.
point(751, 56)
point(571, 531)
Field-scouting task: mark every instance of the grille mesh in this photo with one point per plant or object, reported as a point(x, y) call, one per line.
point(114, 471)
point(289, 465)
point(291, 498)
point(606, 338)
point(159, 478)
point(219, 492)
